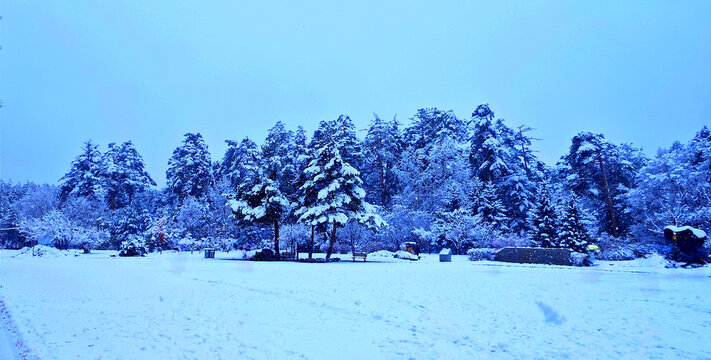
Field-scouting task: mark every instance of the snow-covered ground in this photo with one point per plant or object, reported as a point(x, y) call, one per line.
point(182, 306)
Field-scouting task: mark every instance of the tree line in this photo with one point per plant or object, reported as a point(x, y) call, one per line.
point(441, 181)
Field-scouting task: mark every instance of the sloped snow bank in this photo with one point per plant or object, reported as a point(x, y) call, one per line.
point(381, 255)
point(41, 251)
point(384, 255)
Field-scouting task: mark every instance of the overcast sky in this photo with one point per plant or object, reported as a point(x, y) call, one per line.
point(149, 71)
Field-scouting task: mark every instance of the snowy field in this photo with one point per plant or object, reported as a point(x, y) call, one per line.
point(181, 306)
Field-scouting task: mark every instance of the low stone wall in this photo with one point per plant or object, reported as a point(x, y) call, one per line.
point(534, 256)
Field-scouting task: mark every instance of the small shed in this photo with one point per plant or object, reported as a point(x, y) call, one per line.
point(209, 253)
point(445, 255)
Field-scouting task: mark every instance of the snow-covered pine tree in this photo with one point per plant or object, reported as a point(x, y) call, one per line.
point(347, 141)
point(278, 160)
point(85, 177)
point(239, 159)
point(490, 207)
point(545, 224)
point(572, 233)
point(340, 132)
point(382, 149)
point(601, 173)
point(435, 181)
point(262, 203)
point(257, 198)
point(431, 126)
point(189, 168)
point(124, 174)
point(519, 202)
point(224, 167)
point(489, 156)
point(332, 193)
point(300, 158)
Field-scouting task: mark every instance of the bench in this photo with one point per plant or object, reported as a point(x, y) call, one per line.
point(357, 255)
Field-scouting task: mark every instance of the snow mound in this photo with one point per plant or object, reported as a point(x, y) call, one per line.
point(402, 254)
point(41, 251)
point(651, 261)
point(382, 254)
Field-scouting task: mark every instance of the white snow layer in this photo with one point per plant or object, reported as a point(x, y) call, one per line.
point(182, 306)
point(697, 232)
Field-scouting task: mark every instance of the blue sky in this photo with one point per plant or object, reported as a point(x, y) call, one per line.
point(149, 71)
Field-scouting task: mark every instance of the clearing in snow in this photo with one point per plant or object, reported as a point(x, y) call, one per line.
point(180, 305)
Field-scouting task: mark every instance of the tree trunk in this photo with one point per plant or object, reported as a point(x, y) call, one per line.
point(333, 241)
point(608, 200)
point(311, 245)
point(276, 238)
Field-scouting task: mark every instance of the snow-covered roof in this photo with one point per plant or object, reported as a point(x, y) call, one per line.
point(697, 232)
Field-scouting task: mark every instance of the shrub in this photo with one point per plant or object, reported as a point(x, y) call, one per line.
point(580, 259)
point(617, 254)
point(134, 246)
point(481, 254)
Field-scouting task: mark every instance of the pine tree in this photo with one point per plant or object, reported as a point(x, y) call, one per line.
point(519, 202)
point(431, 126)
point(573, 234)
point(124, 174)
point(601, 173)
point(340, 132)
point(300, 157)
point(278, 158)
point(332, 193)
point(489, 155)
point(189, 169)
point(225, 168)
point(258, 198)
point(544, 233)
point(84, 178)
point(382, 149)
point(347, 141)
point(260, 201)
point(490, 207)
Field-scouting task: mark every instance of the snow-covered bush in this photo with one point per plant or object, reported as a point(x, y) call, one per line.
point(222, 244)
point(193, 216)
point(615, 249)
point(56, 229)
point(133, 246)
point(582, 259)
point(188, 243)
point(157, 236)
point(404, 225)
point(126, 222)
point(578, 259)
point(88, 239)
point(617, 254)
point(481, 254)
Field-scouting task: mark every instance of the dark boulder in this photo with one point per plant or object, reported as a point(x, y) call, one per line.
point(551, 256)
